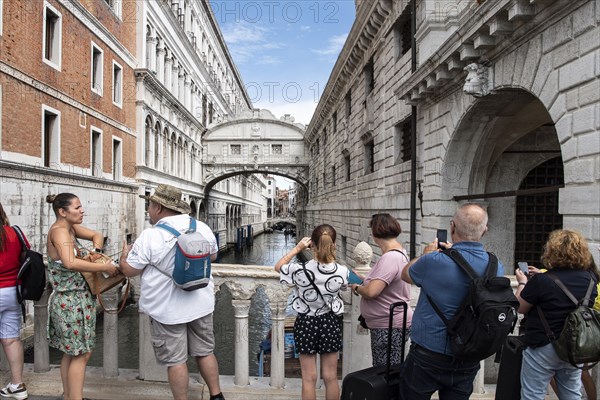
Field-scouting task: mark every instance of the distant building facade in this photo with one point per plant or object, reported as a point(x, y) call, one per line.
point(506, 99)
point(188, 82)
point(283, 203)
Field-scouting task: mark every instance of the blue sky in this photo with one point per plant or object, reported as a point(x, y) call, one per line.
point(285, 50)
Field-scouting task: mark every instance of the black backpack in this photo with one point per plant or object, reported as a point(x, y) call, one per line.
point(486, 316)
point(32, 272)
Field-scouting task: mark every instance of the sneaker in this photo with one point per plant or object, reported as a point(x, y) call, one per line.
point(19, 393)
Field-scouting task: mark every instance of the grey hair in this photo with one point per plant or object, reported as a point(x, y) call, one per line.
point(470, 221)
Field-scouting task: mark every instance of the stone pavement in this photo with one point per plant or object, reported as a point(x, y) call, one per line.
point(48, 386)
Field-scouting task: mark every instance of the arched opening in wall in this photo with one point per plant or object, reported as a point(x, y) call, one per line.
point(495, 147)
point(537, 213)
point(147, 139)
point(194, 212)
point(202, 213)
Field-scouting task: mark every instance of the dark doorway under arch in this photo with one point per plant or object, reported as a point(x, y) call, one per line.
point(537, 214)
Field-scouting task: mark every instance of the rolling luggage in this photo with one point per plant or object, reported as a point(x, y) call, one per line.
point(381, 382)
point(508, 386)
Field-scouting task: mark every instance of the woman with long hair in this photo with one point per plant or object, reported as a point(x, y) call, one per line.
point(383, 286)
point(317, 329)
point(566, 257)
point(72, 308)
point(10, 310)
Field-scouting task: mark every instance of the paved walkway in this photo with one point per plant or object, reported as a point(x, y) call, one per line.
point(48, 386)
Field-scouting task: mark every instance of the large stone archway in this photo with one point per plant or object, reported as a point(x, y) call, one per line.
point(255, 142)
point(497, 142)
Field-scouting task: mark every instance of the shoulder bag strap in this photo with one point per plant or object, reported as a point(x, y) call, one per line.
point(312, 282)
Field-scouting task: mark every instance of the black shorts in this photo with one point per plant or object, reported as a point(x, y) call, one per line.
point(321, 334)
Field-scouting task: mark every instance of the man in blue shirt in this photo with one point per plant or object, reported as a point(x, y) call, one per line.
point(430, 365)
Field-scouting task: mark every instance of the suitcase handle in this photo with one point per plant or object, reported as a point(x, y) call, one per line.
point(389, 342)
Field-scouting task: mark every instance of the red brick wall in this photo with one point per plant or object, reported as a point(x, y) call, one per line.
point(21, 48)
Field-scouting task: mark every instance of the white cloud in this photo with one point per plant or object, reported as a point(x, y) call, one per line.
point(246, 40)
point(302, 111)
point(334, 46)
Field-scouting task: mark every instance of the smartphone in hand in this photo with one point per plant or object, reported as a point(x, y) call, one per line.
point(523, 266)
point(442, 236)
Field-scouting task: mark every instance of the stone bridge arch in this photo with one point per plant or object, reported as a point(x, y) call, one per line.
point(255, 142)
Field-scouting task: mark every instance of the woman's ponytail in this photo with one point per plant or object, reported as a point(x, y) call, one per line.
point(323, 239)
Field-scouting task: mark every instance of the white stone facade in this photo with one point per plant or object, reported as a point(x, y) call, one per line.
point(541, 106)
point(187, 82)
point(544, 102)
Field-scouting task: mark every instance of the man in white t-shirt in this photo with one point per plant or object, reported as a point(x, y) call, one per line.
point(180, 321)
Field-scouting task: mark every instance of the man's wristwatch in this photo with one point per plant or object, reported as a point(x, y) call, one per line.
point(355, 290)
point(98, 250)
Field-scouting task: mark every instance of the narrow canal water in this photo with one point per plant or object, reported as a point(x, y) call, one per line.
point(266, 250)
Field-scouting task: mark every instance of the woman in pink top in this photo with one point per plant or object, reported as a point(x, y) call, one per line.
point(383, 286)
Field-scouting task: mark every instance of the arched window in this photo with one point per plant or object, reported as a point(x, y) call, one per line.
point(165, 138)
point(147, 140)
point(185, 161)
point(173, 146)
point(179, 156)
point(156, 145)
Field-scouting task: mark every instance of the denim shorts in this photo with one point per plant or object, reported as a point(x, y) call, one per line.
point(10, 314)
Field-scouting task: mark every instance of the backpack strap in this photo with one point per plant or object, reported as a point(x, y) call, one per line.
point(585, 299)
point(491, 270)
point(169, 229)
point(24, 248)
point(21, 237)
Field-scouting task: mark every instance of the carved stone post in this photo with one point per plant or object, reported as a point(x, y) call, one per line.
point(41, 352)
point(241, 292)
point(355, 336)
point(478, 383)
point(242, 372)
point(110, 351)
point(277, 302)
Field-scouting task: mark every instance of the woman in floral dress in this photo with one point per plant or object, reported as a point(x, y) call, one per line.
point(72, 321)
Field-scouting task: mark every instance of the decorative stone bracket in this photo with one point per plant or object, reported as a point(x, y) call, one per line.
point(480, 79)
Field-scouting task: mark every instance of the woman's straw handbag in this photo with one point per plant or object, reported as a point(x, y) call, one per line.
point(98, 283)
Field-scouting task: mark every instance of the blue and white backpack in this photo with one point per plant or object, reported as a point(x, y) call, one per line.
point(192, 258)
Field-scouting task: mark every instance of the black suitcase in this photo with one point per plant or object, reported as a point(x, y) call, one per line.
point(381, 382)
point(508, 386)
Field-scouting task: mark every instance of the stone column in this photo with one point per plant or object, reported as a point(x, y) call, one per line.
point(355, 336)
point(151, 53)
point(175, 79)
point(160, 63)
point(168, 71)
point(110, 351)
point(478, 383)
point(41, 351)
point(241, 292)
point(277, 302)
point(242, 372)
point(187, 92)
point(181, 89)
